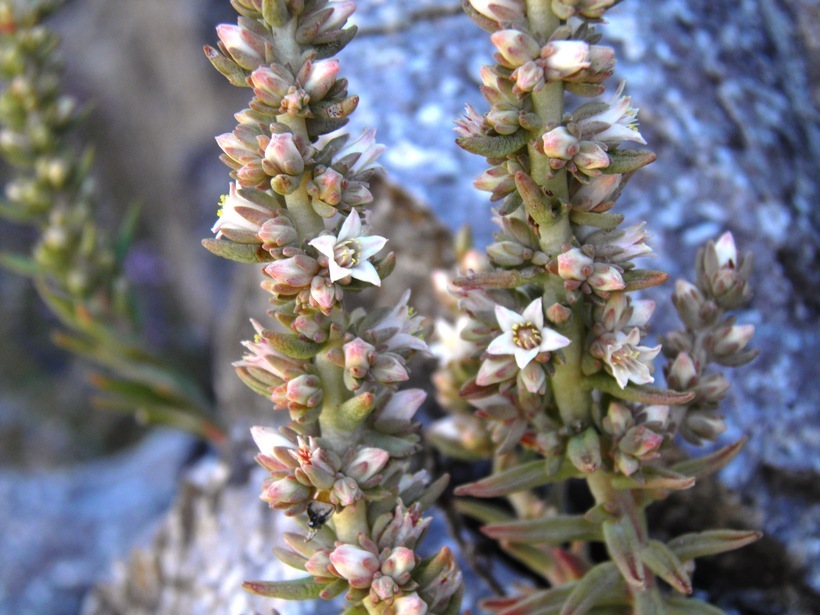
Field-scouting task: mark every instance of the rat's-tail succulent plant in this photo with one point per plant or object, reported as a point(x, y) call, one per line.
point(298, 205)
point(553, 359)
point(76, 265)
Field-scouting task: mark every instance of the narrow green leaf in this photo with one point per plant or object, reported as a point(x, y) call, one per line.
point(701, 467)
point(291, 346)
point(678, 605)
point(589, 218)
point(432, 493)
point(593, 586)
point(639, 279)
point(655, 478)
point(356, 409)
point(700, 544)
point(274, 12)
point(544, 209)
point(486, 513)
point(238, 252)
point(333, 589)
point(494, 146)
point(628, 160)
point(21, 265)
point(663, 562)
point(289, 558)
point(126, 233)
point(552, 530)
point(526, 476)
point(297, 589)
point(625, 550)
point(644, 394)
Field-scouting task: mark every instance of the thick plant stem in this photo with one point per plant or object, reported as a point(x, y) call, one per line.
point(350, 522)
point(307, 222)
point(622, 503)
point(332, 425)
point(574, 403)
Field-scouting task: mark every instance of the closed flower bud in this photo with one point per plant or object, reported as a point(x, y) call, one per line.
point(565, 58)
point(682, 373)
point(504, 119)
point(359, 355)
point(596, 192)
point(383, 588)
point(337, 18)
point(606, 278)
point(319, 77)
point(280, 493)
point(282, 156)
point(502, 11)
point(703, 425)
point(246, 48)
point(319, 564)
point(508, 253)
point(494, 370)
point(618, 419)
point(389, 369)
point(354, 564)
point(497, 180)
point(584, 451)
point(601, 59)
point(641, 443)
point(271, 84)
point(693, 308)
point(296, 271)
point(324, 294)
point(328, 186)
point(528, 77)
point(731, 340)
point(306, 390)
point(399, 564)
point(366, 464)
point(515, 48)
point(277, 232)
point(559, 143)
point(712, 388)
point(575, 265)
point(409, 604)
point(591, 158)
point(346, 492)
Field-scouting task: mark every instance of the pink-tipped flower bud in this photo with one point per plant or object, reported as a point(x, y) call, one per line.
point(731, 340)
point(559, 143)
point(306, 390)
point(409, 604)
point(246, 48)
point(564, 58)
point(277, 232)
point(366, 464)
point(271, 84)
point(529, 77)
point(502, 11)
point(319, 564)
point(591, 158)
point(641, 443)
point(324, 294)
point(296, 271)
point(280, 493)
point(683, 373)
point(354, 564)
point(712, 388)
point(515, 48)
point(399, 564)
point(596, 192)
point(383, 588)
point(359, 356)
point(328, 186)
point(601, 59)
point(389, 368)
point(504, 119)
point(618, 419)
point(726, 251)
point(575, 265)
point(606, 278)
point(282, 156)
point(346, 492)
point(336, 20)
point(319, 78)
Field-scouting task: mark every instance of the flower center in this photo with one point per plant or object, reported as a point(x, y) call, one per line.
point(347, 253)
point(526, 335)
point(624, 355)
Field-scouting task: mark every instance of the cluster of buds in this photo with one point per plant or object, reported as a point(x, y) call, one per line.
point(51, 189)
point(710, 337)
point(299, 207)
point(555, 364)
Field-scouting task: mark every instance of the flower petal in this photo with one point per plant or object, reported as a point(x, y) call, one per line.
point(324, 245)
point(524, 356)
point(507, 318)
point(503, 344)
point(351, 227)
point(534, 313)
point(366, 272)
point(552, 340)
point(371, 245)
point(336, 272)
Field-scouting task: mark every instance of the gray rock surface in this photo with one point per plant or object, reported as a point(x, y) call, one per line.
point(728, 99)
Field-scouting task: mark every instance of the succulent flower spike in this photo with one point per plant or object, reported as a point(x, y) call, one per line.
point(564, 388)
point(298, 205)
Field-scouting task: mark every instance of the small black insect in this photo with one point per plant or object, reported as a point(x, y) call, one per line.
point(318, 514)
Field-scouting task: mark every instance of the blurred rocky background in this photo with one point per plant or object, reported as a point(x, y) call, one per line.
point(728, 93)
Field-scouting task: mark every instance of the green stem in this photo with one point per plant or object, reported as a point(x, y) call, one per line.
point(622, 502)
point(350, 522)
point(574, 403)
point(335, 430)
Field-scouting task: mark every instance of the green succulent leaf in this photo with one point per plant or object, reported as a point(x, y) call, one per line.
point(526, 476)
point(496, 146)
point(552, 530)
point(711, 542)
point(660, 559)
point(297, 589)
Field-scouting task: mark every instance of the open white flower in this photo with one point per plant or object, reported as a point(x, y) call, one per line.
point(524, 335)
point(348, 253)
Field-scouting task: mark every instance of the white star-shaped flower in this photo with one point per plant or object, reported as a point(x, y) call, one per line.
point(524, 335)
point(348, 253)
